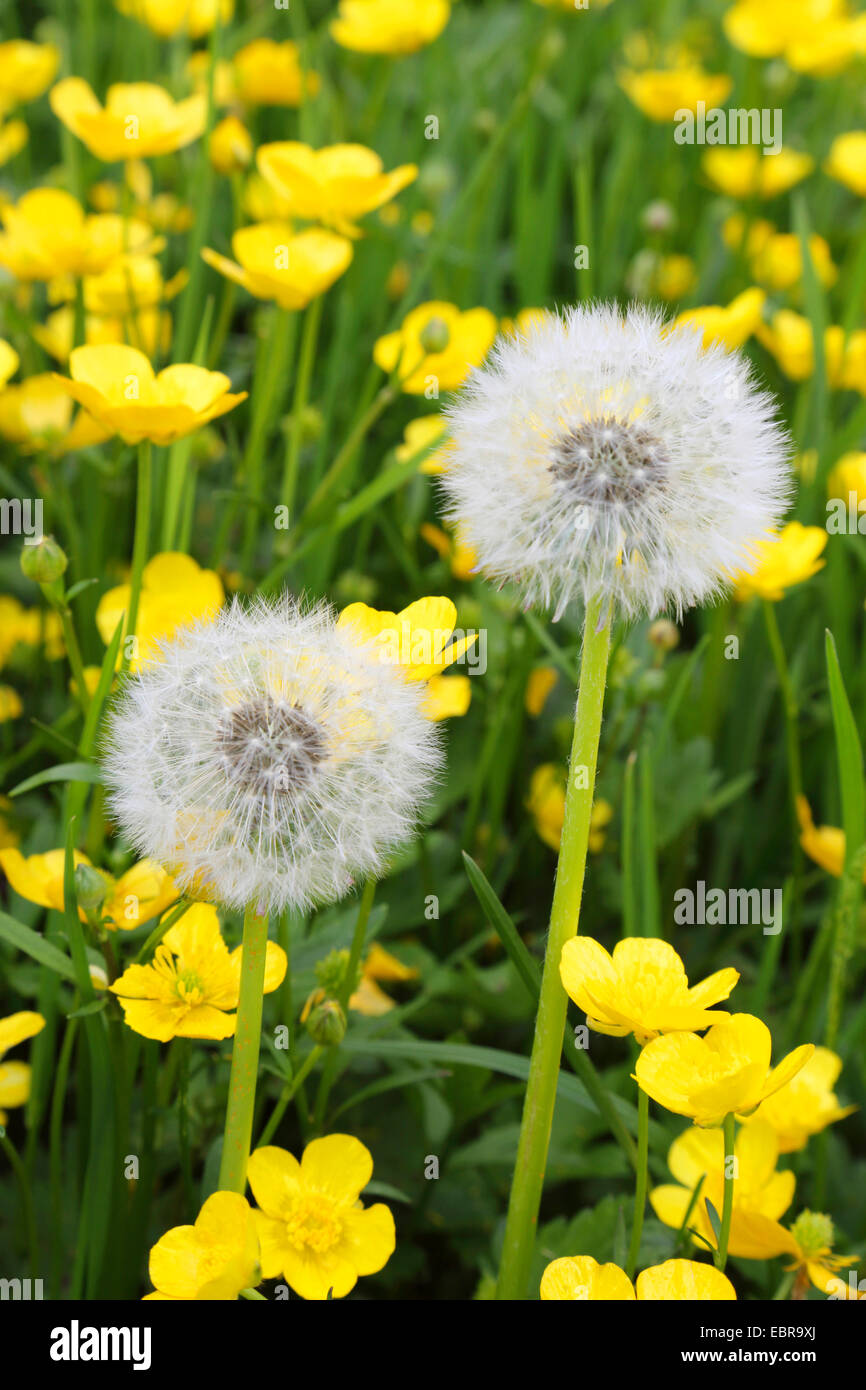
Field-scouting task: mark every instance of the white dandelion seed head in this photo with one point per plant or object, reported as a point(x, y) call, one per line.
point(604, 453)
point(267, 757)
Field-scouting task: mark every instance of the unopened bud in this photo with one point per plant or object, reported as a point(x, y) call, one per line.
point(90, 889)
point(435, 335)
point(326, 1024)
point(664, 634)
point(44, 562)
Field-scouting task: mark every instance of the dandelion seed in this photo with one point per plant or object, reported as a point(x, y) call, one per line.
point(666, 451)
point(268, 757)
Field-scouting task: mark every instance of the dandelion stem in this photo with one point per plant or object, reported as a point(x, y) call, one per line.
point(728, 1203)
point(640, 1182)
point(245, 1054)
point(141, 539)
point(528, 1179)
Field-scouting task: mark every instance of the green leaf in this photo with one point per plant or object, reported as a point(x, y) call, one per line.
point(61, 772)
point(467, 1055)
point(505, 929)
point(25, 939)
point(94, 1007)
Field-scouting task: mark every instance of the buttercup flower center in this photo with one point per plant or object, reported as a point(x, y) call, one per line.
point(813, 1232)
point(610, 461)
point(270, 748)
point(314, 1223)
point(189, 987)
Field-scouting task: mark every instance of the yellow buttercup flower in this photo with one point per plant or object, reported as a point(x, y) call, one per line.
point(193, 983)
point(825, 844)
point(169, 17)
point(437, 345)
point(541, 682)
point(807, 1105)
point(314, 1231)
point(813, 36)
point(335, 185)
point(746, 172)
point(426, 432)
point(546, 804)
point(461, 558)
point(139, 119)
point(673, 277)
point(128, 288)
point(230, 147)
point(13, 137)
point(266, 73)
point(161, 211)
point(37, 414)
point(149, 328)
point(417, 640)
point(379, 964)
point(811, 1244)
point(31, 627)
point(641, 989)
point(26, 70)
point(761, 1194)
point(15, 1076)
point(139, 895)
point(684, 1281)
point(581, 1278)
point(661, 93)
point(10, 704)
point(726, 1072)
point(9, 361)
point(46, 234)
point(174, 592)
point(731, 325)
point(776, 258)
point(119, 388)
point(447, 697)
point(212, 1260)
point(791, 558)
point(847, 161)
point(396, 27)
point(275, 262)
point(848, 475)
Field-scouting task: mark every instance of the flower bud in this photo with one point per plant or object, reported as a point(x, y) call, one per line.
point(326, 1024)
point(435, 335)
point(664, 634)
point(44, 562)
point(230, 147)
point(90, 889)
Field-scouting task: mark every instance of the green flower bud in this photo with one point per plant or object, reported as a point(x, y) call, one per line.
point(813, 1232)
point(44, 562)
point(326, 1024)
point(91, 888)
point(435, 335)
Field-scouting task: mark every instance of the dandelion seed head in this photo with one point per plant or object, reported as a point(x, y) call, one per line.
point(604, 453)
point(266, 756)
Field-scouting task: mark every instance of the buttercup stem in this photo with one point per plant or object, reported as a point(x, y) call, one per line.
point(141, 540)
point(245, 1054)
point(345, 994)
point(528, 1179)
point(728, 1203)
point(640, 1182)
